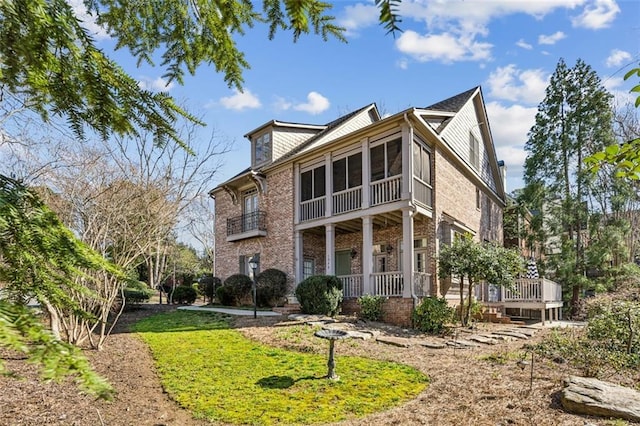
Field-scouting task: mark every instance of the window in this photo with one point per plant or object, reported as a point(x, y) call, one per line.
point(308, 268)
point(263, 148)
point(250, 210)
point(474, 151)
point(478, 204)
point(386, 160)
point(421, 163)
point(244, 268)
point(347, 172)
point(312, 184)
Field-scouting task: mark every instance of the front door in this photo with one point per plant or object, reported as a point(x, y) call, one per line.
point(343, 263)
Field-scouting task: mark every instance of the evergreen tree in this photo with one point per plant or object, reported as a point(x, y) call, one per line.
point(573, 121)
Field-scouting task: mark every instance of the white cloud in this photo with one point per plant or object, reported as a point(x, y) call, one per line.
point(358, 16)
point(445, 47)
point(523, 44)
point(88, 20)
point(597, 14)
point(281, 104)
point(512, 84)
point(617, 58)
point(316, 104)
point(403, 64)
point(621, 95)
point(241, 100)
point(552, 38)
point(154, 84)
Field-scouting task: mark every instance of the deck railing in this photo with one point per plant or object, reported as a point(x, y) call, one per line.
point(387, 190)
point(387, 283)
point(524, 290)
point(312, 209)
point(351, 285)
point(348, 200)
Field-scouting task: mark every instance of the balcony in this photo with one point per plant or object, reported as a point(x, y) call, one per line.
point(248, 225)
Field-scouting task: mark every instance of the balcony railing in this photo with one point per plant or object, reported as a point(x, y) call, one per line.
point(312, 209)
point(254, 221)
point(348, 200)
point(386, 191)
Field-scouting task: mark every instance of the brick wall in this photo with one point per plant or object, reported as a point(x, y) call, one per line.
point(396, 310)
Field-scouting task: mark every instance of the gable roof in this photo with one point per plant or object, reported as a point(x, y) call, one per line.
point(454, 103)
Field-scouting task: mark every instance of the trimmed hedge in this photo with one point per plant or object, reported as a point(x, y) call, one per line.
point(320, 295)
point(184, 295)
point(237, 288)
point(271, 287)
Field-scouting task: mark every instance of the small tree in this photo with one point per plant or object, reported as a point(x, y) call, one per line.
point(466, 258)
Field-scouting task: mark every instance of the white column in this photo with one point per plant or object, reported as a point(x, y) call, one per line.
point(299, 257)
point(296, 193)
point(367, 254)
point(407, 251)
point(366, 174)
point(328, 177)
point(407, 161)
point(329, 233)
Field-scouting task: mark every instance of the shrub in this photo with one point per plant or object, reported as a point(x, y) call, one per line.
point(240, 287)
point(432, 315)
point(371, 307)
point(208, 285)
point(615, 323)
point(184, 295)
point(224, 294)
point(137, 292)
point(271, 287)
point(320, 295)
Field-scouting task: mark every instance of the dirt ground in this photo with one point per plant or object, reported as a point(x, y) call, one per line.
point(465, 389)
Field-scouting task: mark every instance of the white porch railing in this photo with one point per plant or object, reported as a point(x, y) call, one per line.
point(533, 290)
point(312, 209)
point(348, 200)
point(387, 190)
point(351, 286)
point(422, 284)
point(387, 283)
point(422, 192)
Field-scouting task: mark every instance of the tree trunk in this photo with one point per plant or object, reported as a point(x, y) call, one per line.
point(463, 316)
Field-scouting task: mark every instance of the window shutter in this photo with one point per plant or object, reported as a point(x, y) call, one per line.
point(243, 269)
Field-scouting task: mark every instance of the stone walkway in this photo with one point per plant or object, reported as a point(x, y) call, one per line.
point(461, 339)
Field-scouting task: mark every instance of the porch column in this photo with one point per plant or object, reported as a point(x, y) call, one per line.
point(330, 235)
point(543, 313)
point(366, 174)
point(299, 257)
point(407, 252)
point(328, 178)
point(367, 254)
point(407, 162)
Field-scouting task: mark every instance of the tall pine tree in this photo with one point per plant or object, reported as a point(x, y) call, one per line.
point(573, 121)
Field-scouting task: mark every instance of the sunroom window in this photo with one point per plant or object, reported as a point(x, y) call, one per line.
point(312, 184)
point(347, 172)
point(386, 160)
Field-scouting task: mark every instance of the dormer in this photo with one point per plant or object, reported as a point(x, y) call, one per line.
point(261, 148)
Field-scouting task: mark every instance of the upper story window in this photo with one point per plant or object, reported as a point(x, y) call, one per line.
point(421, 163)
point(250, 201)
point(262, 148)
point(347, 172)
point(474, 151)
point(386, 160)
point(312, 183)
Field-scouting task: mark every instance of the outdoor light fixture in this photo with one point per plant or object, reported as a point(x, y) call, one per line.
point(354, 253)
point(389, 248)
point(253, 264)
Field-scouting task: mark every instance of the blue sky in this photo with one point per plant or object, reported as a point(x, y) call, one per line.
point(509, 47)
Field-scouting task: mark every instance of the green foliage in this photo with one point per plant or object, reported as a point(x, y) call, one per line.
point(271, 287)
point(221, 376)
point(21, 331)
point(615, 323)
point(432, 315)
point(137, 292)
point(240, 287)
point(320, 294)
point(183, 294)
point(224, 294)
point(371, 307)
point(208, 286)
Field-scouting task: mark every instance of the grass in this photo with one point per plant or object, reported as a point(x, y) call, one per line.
point(220, 375)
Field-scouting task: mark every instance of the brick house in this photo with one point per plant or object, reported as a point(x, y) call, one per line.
point(364, 197)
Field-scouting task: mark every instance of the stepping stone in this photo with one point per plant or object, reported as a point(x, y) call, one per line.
point(395, 341)
point(483, 339)
point(511, 334)
point(463, 343)
point(362, 335)
point(499, 337)
point(432, 345)
point(338, 326)
point(289, 323)
point(527, 332)
point(321, 323)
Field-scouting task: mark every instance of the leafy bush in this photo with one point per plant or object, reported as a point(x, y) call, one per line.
point(184, 295)
point(224, 294)
point(320, 295)
point(271, 287)
point(137, 292)
point(371, 307)
point(208, 285)
point(239, 286)
point(616, 323)
point(432, 315)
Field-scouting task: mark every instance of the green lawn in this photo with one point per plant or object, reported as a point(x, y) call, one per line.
point(220, 375)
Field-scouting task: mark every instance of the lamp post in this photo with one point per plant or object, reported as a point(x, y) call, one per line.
point(253, 264)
